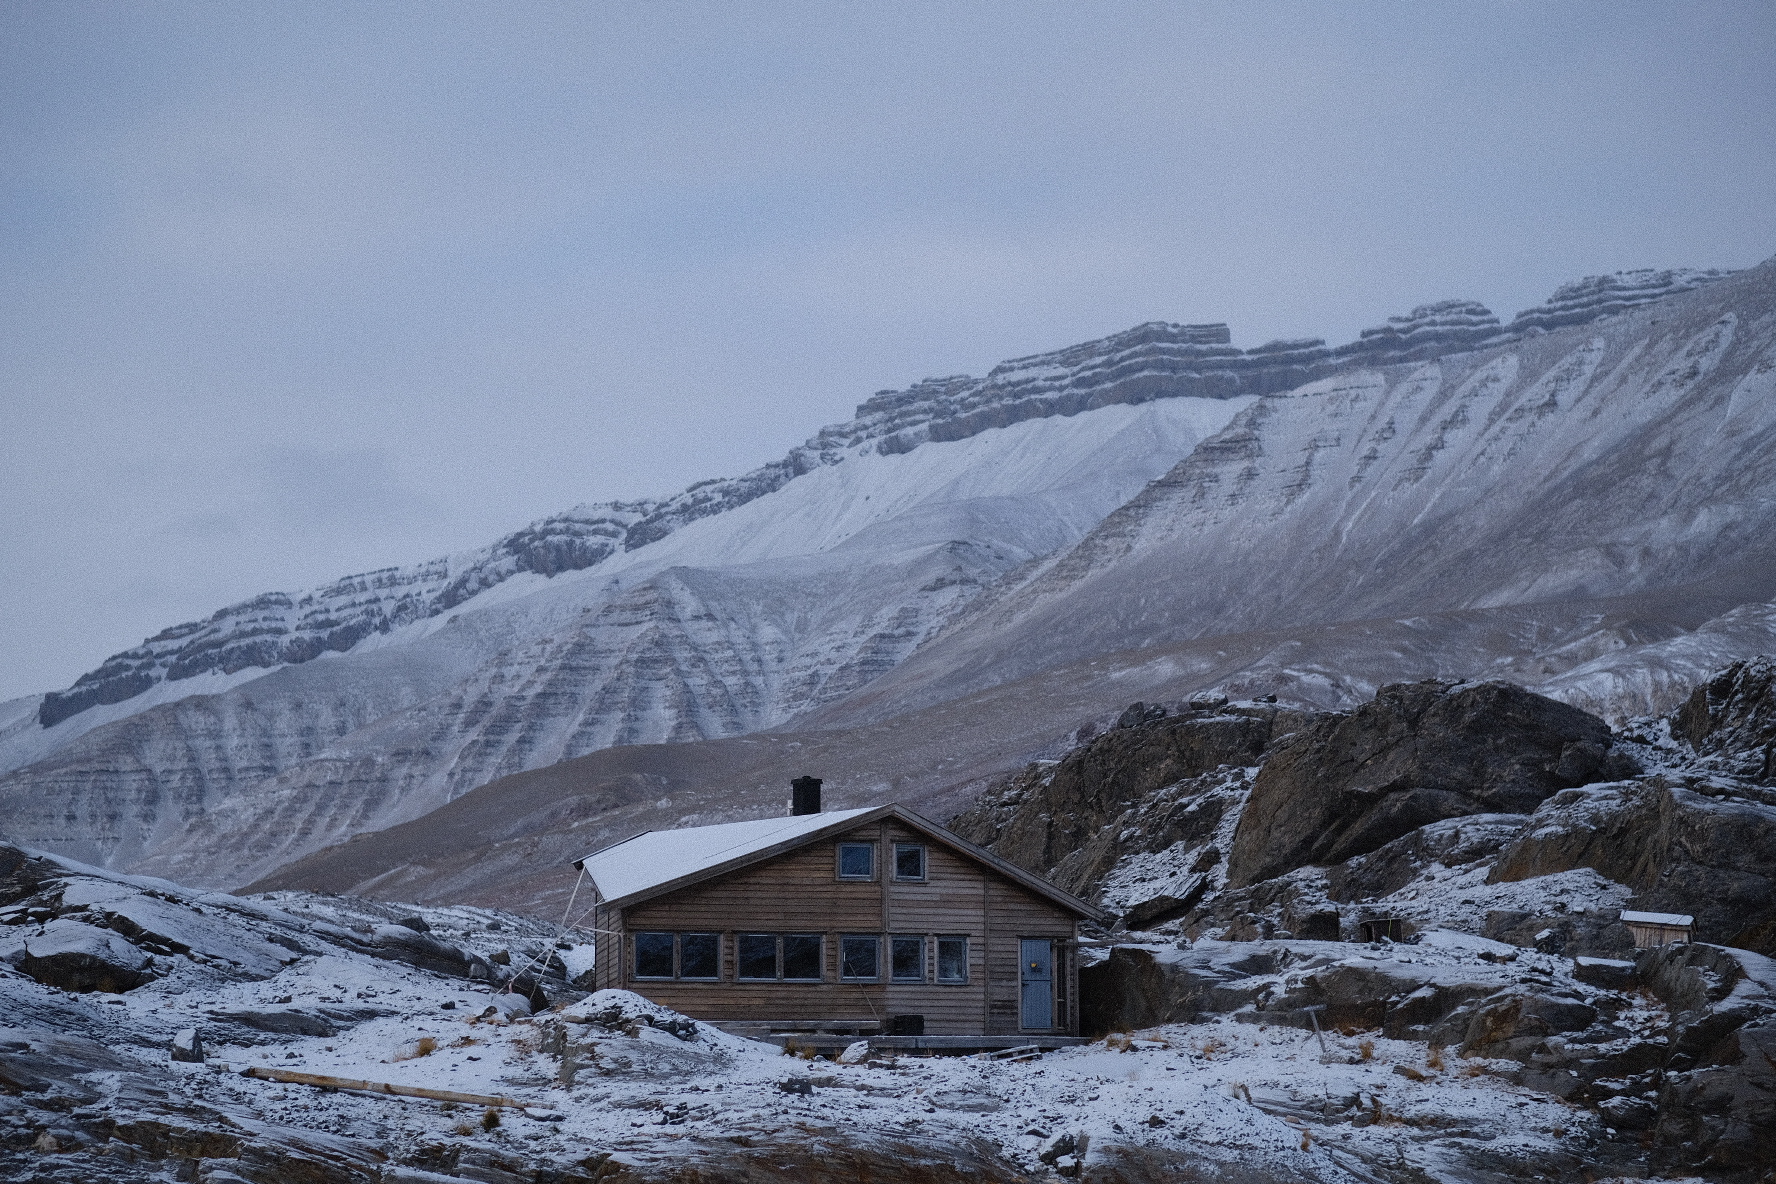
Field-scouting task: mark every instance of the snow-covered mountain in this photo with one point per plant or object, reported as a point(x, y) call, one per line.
point(1150, 488)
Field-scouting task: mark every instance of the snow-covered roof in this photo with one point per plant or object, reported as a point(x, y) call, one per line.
point(658, 857)
point(1682, 920)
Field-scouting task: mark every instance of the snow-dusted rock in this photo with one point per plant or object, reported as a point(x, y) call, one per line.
point(79, 957)
point(1418, 753)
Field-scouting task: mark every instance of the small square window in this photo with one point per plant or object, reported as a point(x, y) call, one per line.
point(952, 959)
point(860, 957)
point(857, 861)
point(653, 955)
point(699, 955)
point(907, 959)
point(909, 861)
point(801, 957)
point(758, 955)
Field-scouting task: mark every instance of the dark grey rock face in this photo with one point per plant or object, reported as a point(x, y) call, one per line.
point(1050, 815)
point(1416, 754)
point(1691, 844)
point(1717, 1097)
point(1733, 715)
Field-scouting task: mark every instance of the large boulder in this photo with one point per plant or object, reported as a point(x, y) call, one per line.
point(1140, 987)
point(1717, 1102)
point(1063, 817)
point(1689, 844)
point(1733, 717)
point(1416, 754)
point(78, 957)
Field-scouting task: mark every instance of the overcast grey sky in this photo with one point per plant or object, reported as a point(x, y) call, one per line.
point(296, 290)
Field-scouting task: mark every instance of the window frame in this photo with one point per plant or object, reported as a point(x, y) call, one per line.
point(924, 863)
point(937, 960)
point(839, 861)
point(671, 955)
point(876, 943)
point(894, 975)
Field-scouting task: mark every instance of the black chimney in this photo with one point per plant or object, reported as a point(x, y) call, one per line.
point(805, 797)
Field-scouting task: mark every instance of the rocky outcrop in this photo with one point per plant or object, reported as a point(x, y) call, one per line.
point(1427, 331)
point(1732, 717)
point(1689, 844)
point(1717, 1095)
point(1151, 361)
point(1066, 818)
point(1598, 296)
point(1416, 754)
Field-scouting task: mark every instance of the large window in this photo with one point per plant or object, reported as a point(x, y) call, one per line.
point(909, 861)
point(758, 955)
point(653, 955)
point(791, 956)
point(699, 955)
point(952, 959)
point(906, 958)
point(857, 861)
point(860, 957)
point(801, 957)
point(678, 955)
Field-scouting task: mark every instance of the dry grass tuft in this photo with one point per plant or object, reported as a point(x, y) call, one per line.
point(1434, 1058)
point(1210, 1047)
point(1366, 1050)
point(490, 1119)
point(425, 1046)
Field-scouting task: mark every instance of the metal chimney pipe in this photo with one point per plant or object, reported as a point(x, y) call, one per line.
point(805, 796)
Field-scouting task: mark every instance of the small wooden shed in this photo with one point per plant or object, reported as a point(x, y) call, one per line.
point(1652, 930)
point(871, 921)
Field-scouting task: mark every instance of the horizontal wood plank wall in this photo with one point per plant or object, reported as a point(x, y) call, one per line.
point(1014, 913)
point(799, 892)
point(946, 904)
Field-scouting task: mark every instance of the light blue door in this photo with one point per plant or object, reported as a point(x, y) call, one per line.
point(1036, 983)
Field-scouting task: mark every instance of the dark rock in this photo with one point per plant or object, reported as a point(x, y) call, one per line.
point(78, 957)
point(1452, 842)
point(1139, 988)
point(1733, 715)
point(1614, 974)
point(1063, 814)
point(287, 1022)
point(1405, 1001)
point(1160, 909)
point(1515, 1023)
point(796, 1085)
point(1717, 1107)
point(1680, 849)
point(417, 924)
point(1628, 1114)
point(188, 1046)
point(1418, 753)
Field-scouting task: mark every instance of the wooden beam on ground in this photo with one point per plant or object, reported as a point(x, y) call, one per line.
point(323, 1081)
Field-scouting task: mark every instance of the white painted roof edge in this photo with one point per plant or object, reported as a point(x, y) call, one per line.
point(1683, 919)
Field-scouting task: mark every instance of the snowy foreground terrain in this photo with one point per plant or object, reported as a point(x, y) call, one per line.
point(612, 1087)
point(1260, 1028)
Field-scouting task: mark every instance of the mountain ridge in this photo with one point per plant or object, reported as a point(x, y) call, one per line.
point(1153, 360)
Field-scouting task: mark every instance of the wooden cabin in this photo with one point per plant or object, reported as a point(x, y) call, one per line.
point(1652, 930)
point(872, 921)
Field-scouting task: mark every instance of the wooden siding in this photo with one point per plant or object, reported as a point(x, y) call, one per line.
point(800, 892)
